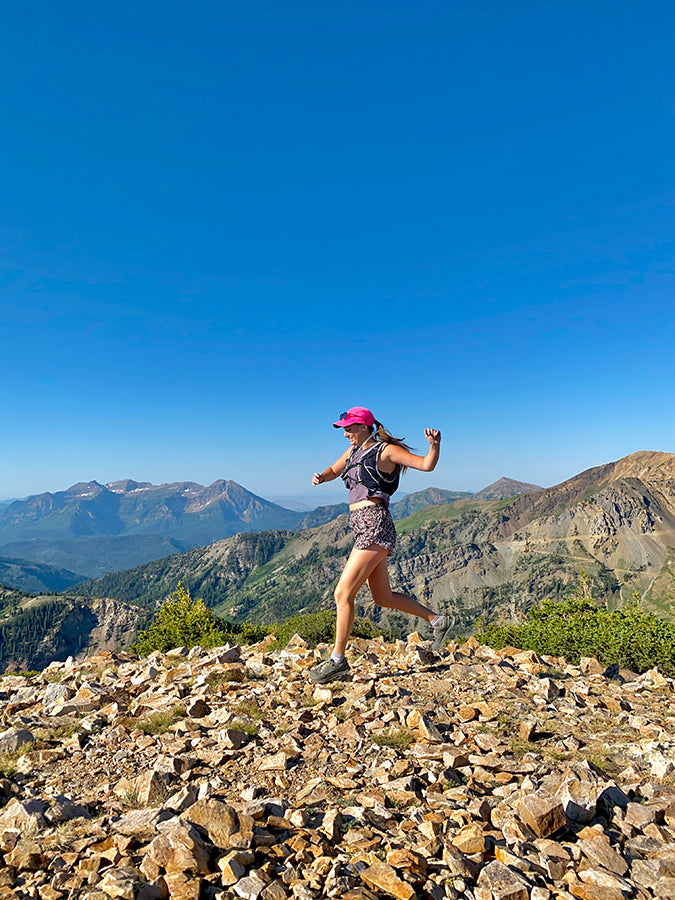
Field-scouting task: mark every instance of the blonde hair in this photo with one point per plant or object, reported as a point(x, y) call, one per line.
point(386, 437)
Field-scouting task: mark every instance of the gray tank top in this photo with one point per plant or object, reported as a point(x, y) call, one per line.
point(357, 490)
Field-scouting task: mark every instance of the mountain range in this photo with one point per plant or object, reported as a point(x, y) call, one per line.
point(489, 559)
point(91, 528)
point(607, 532)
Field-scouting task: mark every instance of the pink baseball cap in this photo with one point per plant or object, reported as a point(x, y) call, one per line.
point(355, 415)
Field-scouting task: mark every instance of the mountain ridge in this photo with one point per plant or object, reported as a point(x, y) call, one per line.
point(94, 528)
point(473, 558)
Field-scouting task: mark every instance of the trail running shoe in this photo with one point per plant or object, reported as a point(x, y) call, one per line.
point(443, 634)
point(328, 671)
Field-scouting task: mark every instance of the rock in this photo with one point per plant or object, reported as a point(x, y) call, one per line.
point(177, 849)
point(382, 877)
point(497, 882)
point(218, 819)
point(198, 708)
point(578, 792)
point(546, 689)
point(27, 816)
point(182, 886)
point(640, 816)
point(306, 806)
point(119, 882)
point(12, 740)
point(62, 810)
point(26, 855)
point(149, 787)
point(278, 762)
point(543, 814)
point(526, 730)
point(599, 851)
point(250, 887)
point(470, 839)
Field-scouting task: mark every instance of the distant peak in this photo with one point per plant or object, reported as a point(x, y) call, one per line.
point(503, 488)
point(84, 488)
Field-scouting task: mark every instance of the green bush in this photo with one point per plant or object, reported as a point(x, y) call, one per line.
point(184, 622)
point(319, 628)
point(630, 637)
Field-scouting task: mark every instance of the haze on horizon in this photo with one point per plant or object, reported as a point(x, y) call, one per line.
point(224, 225)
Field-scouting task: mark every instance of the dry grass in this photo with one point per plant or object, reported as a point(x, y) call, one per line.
point(395, 738)
point(8, 761)
point(250, 709)
point(64, 835)
point(160, 722)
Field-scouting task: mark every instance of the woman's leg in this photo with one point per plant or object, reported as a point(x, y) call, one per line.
point(378, 582)
point(356, 572)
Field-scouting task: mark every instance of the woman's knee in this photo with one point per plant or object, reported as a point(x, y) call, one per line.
point(341, 596)
point(383, 600)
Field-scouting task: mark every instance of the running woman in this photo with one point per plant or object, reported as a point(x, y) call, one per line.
point(371, 467)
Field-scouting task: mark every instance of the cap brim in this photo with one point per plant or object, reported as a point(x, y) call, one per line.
point(348, 421)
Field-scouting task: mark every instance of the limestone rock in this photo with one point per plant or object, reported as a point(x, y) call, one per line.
point(382, 877)
point(14, 739)
point(217, 818)
point(543, 814)
point(497, 882)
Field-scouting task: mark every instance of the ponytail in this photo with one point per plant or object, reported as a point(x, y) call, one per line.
point(386, 437)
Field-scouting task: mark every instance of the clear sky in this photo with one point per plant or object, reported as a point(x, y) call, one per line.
point(223, 223)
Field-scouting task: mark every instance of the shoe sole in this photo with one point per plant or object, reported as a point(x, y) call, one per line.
point(341, 676)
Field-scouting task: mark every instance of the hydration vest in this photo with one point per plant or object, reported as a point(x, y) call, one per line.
point(369, 475)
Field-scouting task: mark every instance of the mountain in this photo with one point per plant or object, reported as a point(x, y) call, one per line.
point(504, 488)
point(94, 529)
point(95, 556)
point(401, 508)
point(26, 575)
point(474, 558)
point(421, 499)
point(323, 514)
point(35, 630)
point(184, 510)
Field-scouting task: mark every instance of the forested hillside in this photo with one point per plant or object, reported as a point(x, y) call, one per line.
point(35, 629)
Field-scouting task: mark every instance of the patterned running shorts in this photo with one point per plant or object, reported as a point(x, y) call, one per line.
point(373, 525)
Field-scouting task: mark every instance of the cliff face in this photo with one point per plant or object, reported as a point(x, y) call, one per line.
point(616, 521)
point(46, 629)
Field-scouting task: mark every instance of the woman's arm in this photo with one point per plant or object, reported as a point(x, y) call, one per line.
point(332, 472)
point(395, 455)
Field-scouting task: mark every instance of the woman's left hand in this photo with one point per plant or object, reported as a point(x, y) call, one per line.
point(433, 435)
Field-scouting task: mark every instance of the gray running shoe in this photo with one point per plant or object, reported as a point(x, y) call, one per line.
point(328, 671)
point(443, 634)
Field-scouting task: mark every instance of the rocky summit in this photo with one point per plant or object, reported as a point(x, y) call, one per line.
point(227, 774)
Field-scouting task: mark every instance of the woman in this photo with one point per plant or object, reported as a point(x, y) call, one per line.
point(371, 467)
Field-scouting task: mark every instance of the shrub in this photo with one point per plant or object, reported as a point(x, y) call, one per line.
point(629, 637)
point(184, 622)
point(319, 628)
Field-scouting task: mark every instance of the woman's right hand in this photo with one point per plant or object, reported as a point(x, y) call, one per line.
point(317, 478)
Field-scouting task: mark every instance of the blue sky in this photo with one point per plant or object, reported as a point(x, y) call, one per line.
point(224, 223)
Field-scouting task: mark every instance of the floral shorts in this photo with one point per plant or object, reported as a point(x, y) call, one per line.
point(373, 525)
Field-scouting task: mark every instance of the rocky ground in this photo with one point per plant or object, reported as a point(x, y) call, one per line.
point(226, 773)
